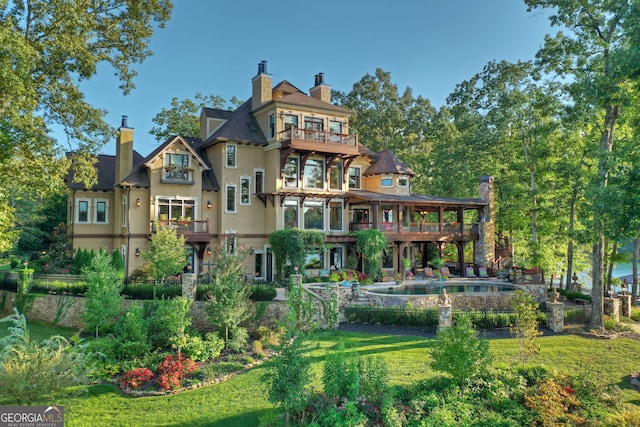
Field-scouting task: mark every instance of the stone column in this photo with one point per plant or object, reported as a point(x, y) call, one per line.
point(625, 305)
point(612, 308)
point(555, 318)
point(484, 249)
point(444, 316)
point(296, 279)
point(189, 286)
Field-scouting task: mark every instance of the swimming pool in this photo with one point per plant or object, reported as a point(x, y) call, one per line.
point(435, 288)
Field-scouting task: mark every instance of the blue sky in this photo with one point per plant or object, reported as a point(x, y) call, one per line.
point(213, 47)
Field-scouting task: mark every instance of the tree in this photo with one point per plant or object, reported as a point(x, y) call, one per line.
point(370, 243)
point(182, 118)
point(598, 55)
point(228, 303)
point(292, 245)
point(102, 300)
point(460, 352)
point(525, 329)
point(167, 254)
point(48, 48)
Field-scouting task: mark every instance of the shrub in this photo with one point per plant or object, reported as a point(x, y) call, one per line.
point(31, 372)
point(200, 350)
point(553, 403)
point(167, 320)
point(340, 375)
point(131, 333)
point(262, 293)
point(136, 378)
point(173, 369)
point(460, 352)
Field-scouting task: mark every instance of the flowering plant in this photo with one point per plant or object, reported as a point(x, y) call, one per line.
point(173, 369)
point(136, 378)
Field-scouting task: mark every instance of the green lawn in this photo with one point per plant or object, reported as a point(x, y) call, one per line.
point(39, 331)
point(241, 400)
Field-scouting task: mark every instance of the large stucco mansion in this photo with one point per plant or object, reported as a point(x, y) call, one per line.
point(283, 159)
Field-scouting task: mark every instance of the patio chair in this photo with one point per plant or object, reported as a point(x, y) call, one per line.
point(470, 273)
point(445, 272)
point(482, 273)
point(428, 272)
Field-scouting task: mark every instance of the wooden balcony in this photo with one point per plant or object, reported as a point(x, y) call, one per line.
point(193, 231)
point(421, 231)
point(318, 141)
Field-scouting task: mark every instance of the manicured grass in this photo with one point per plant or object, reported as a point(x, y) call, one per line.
point(39, 331)
point(241, 400)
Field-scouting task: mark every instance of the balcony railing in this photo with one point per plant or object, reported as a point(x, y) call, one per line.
point(176, 175)
point(191, 230)
point(419, 227)
point(331, 141)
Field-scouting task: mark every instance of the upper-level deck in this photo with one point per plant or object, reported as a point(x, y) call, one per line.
point(318, 141)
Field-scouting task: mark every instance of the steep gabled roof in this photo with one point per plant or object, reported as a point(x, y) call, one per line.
point(106, 171)
point(240, 126)
point(386, 162)
point(289, 94)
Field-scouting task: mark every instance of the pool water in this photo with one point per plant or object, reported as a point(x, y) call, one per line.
point(436, 288)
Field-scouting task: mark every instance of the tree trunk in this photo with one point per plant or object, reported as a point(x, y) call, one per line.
point(572, 214)
point(606, 145)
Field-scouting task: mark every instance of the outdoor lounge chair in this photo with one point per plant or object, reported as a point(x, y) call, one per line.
point(445, 272)
point(428, 272)
point(469, 272)
point(482, 273)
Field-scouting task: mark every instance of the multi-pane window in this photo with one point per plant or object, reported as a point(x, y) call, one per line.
point(313, 215)
point(290, 214)
point(335, 127)
point(314, 127)
point(335, 176)
point(290, 121)
point(245, 186)
point(335, 216)
point(83, 211)
point(176, 167)
point(291, 172)
point(354, 178)
point(101, 211)
point(230, 206)
point(174, 159)
point(176, 209)
point(231, 156)
point(314, 173)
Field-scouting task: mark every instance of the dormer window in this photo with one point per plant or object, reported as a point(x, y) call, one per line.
point(387, 181)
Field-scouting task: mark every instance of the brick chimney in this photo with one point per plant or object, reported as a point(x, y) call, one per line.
point(321, 90)
point(261, 87)
point(124, 151)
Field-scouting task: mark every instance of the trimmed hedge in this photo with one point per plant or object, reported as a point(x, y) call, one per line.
point(401, 316)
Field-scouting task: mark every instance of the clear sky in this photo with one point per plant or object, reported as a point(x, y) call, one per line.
point(214, 46)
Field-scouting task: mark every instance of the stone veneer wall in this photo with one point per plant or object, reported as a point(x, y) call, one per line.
point(46, 308)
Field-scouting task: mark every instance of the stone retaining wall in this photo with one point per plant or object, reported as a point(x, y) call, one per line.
point(66, 310)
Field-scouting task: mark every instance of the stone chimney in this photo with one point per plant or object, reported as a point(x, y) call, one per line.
point(485, 251)
point(124, 151)
point(261, 87)
point(320, 90)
